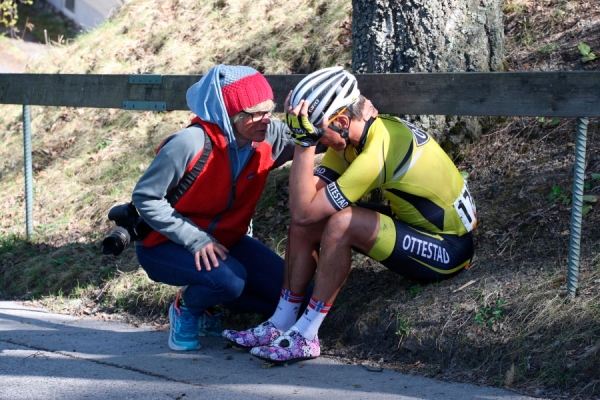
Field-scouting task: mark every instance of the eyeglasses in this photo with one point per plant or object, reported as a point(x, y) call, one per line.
point(336, 115)
point(259, 115)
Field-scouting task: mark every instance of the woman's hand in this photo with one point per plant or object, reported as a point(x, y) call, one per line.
point(208, 255)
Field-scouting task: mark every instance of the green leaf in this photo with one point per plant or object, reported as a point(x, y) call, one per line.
point(541, 119)
point(584, 49)
point(555, 121)
point(556, 190)
point(590, 198)
point(464, 174)
point(595, 177)
point(586, 209)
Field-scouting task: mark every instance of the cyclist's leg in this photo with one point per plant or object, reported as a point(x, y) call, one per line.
point(351, 228)
point(301, 255)
point(419, 254)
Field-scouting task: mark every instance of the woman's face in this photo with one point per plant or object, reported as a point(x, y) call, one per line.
point(252, 128)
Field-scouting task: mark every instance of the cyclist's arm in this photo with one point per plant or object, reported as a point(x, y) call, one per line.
point(308, 202)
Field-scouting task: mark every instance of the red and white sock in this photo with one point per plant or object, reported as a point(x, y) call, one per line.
point(310, 321)
point(286, 312)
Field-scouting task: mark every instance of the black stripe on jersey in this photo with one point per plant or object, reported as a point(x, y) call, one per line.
point(428, 209)
point(336, 197)
point(328, 175)
point(405, 159)
point(384, 158)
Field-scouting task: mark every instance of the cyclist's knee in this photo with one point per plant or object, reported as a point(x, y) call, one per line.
point(338, 226)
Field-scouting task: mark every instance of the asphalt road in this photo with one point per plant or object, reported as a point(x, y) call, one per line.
point(53, 356)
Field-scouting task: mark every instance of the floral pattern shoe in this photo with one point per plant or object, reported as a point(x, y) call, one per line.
point(289, 347)
point(263, 334)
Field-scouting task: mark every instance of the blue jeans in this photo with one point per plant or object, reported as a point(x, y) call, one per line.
point(249, 280)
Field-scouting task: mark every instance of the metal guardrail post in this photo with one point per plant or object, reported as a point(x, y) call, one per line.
point(577, 205)
point(28, 170)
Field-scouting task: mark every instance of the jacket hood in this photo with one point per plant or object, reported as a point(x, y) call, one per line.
point(205, 99)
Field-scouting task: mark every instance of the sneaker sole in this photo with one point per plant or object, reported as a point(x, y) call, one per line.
point(237, 345)
point(276, 362)
point(172, 344)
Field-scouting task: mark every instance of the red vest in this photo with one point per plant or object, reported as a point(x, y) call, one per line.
point(213, 202)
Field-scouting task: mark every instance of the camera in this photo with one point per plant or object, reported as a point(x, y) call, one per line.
point(130, 227)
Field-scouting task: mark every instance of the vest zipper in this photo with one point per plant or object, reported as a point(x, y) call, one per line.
point(213, 225)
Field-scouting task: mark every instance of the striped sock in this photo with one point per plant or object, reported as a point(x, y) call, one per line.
point(286, 312)
point(308, 324)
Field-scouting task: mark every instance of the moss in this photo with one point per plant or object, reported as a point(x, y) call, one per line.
point(457, 129)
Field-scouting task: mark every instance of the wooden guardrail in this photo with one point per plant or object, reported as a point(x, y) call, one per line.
point(549, 94)
point(542, 94)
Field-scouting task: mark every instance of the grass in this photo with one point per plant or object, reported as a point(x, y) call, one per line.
point(270, 42)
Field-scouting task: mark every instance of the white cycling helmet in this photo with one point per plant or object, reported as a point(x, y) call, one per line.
point(327, 90)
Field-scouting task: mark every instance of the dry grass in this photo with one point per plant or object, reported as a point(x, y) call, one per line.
point(189, 37)
point(544, 34)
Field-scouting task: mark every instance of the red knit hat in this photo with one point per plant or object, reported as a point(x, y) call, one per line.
point(243, 87)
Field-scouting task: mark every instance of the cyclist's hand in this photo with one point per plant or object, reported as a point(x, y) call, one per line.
point(305, 134)
point(302, 130)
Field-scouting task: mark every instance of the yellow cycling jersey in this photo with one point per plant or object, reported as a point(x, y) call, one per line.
point(422, 184)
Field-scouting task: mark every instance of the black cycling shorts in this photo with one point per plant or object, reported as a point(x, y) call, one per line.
point(418, 254)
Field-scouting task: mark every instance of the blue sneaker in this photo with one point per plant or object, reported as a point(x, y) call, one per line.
point(210, 325)
point(184, 328)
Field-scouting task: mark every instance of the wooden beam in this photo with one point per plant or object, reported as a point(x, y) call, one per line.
point(551, 94)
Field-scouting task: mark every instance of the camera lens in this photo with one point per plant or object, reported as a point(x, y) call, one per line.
point(116, 242)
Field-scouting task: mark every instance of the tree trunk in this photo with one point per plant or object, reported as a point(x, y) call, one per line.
point(430, 36)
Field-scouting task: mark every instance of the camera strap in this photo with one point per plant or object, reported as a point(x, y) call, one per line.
point(190, 176)
point(142, 229)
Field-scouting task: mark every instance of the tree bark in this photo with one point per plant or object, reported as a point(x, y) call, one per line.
point(430, 36)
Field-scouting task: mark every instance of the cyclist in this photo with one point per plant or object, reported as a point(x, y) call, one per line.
point(424, 233)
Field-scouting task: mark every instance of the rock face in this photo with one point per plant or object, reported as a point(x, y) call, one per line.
point(430, 36)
